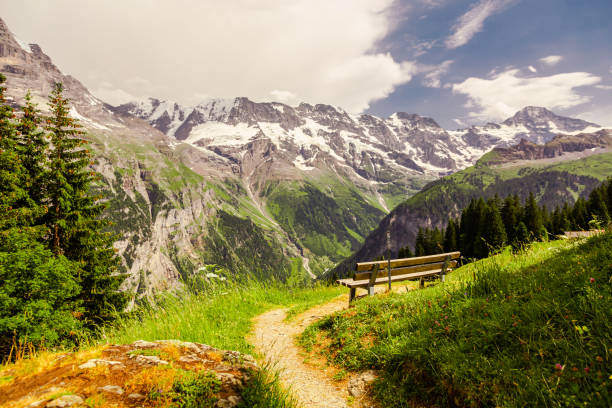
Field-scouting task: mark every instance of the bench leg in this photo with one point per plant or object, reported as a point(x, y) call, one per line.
point(371, 291)
point(352, 295)
point(421, 283)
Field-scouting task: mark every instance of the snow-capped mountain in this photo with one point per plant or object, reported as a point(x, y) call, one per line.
point(371, 146)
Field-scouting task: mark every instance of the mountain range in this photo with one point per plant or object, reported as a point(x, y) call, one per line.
point(259, 188)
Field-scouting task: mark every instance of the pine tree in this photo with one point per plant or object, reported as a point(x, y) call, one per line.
point(405, 252)
point(450, 237)
point(419, 245)
point(493, 233)
point(74, 216)
point(532, 217)
point(33, 149)
point(522, 236)
point(435, 242)
point(17, 209)
point(609, 194)
point(468, 229)
point(481, 248)
point(597, 208)
point(511, 215)
point(580, 215)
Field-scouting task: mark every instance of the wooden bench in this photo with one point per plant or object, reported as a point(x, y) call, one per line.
point(369, 274)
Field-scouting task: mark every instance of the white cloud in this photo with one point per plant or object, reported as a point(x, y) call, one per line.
point(321, 51)
point(434, 73)
point(551, 59)
point(504, 93)
point(283, 96)
point(472, 22)
point(111, 94)
point(532, 69)
point(599, 114)
point(604, 87)
point(460, 123)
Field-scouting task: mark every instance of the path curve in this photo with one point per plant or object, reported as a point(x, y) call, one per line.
point(273, 338)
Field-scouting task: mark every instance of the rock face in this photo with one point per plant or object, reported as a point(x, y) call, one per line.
point(561, 144)
point(124, 379)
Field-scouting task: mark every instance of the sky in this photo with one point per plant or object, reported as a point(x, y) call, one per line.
point(461, 62)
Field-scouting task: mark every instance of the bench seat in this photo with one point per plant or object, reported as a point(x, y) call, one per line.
point(350, 283)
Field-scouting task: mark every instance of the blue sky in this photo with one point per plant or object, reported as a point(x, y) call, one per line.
point(513, 37)
point(461, 62)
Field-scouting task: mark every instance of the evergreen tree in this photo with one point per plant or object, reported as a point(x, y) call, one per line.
point(522, 236)
point(609, 194)
point(511, 215)
point(533, 217)
point(17, 209)
point(580, 215)
point(74, 221)
point(419, 245)
point(481, 248)
point(567, 220)
point(468, 229)
point(33, 149)
point(435, 243)
point(597, 207)
point(451, 237)
point(405, 252)
point(493, 233)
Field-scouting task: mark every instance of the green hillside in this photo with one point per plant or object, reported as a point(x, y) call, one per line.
point(531, 329)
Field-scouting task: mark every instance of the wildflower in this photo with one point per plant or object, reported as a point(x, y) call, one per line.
point(559, 367)
point(587, 369)
point(592, 280)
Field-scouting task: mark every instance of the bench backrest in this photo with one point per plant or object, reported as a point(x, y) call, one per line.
point(363, 270)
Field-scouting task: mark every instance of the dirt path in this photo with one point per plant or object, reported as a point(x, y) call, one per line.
point(273, 338)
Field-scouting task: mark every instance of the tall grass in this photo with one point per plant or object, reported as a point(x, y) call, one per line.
point(220, 316)
point(531, 329)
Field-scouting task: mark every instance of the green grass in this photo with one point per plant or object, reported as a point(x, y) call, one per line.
point(531, 329)
point(221, 317)
point(264, 391)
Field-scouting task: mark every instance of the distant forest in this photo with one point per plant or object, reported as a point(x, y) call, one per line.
point(485, 226)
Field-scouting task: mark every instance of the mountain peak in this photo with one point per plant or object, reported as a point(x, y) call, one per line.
point(415, 119)
point(538, 118)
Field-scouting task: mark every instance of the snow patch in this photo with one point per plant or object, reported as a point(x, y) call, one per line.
point(222, 134)
point(24, 46)
point(76, 115)
point(300, 163)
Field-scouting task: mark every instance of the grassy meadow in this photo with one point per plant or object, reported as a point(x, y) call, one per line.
point(220, 316)
point(527, 329)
